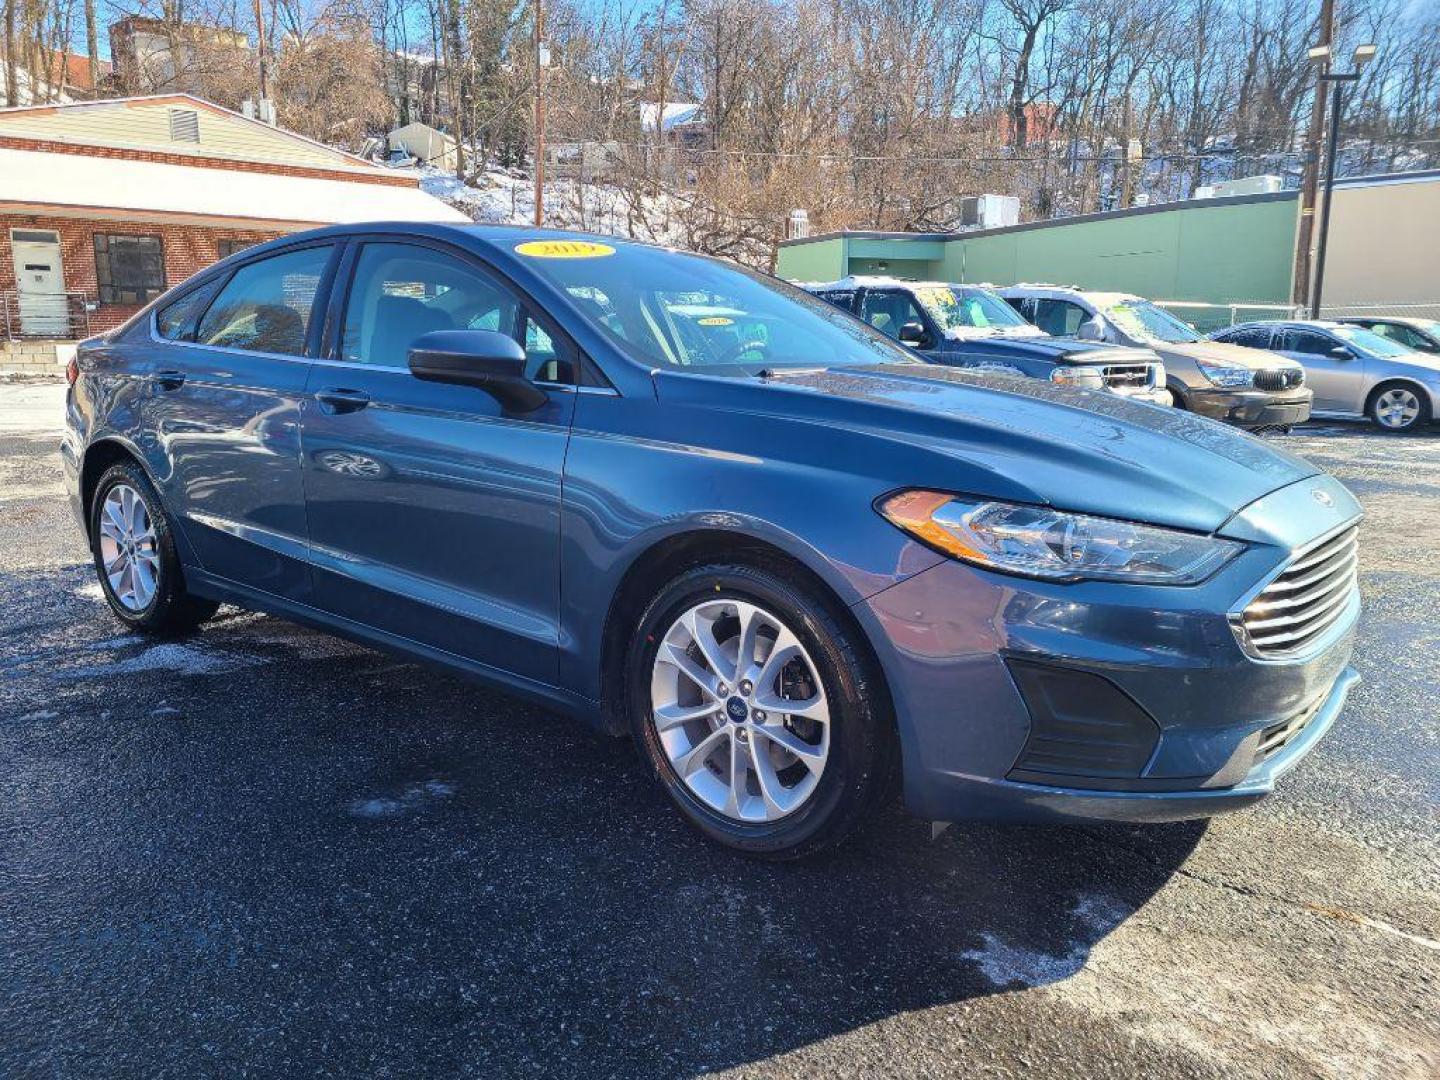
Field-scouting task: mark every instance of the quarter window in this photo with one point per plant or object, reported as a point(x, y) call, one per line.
point(267, 305)
point(176, 320)
point(129, 269)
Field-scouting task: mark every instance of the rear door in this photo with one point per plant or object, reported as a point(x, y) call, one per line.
point(227, 376)
point(1334, 371)
point(433, 512)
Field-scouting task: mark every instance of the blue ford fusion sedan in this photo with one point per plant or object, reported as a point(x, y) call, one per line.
point(692, 503)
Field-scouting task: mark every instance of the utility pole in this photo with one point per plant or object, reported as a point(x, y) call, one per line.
point(540, 59)
point(260, 55)
point(1309, 177)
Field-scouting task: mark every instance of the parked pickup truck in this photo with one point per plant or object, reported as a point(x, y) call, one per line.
point(970, 326)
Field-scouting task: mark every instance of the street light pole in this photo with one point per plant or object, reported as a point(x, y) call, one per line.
point(540, 60)
point(1363, 55)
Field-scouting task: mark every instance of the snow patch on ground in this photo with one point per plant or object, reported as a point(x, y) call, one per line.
point(1005, 963)
point(414, 797)
point(175, 659)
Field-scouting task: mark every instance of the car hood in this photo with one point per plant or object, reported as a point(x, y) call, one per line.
point(1224, 353)
point(996, 436)
point(1069, 350)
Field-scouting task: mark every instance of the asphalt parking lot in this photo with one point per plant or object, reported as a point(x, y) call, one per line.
point(266, 851)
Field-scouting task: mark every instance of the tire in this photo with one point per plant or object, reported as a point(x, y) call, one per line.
point(130, 532)
point(788, 806)
point(1398, 408)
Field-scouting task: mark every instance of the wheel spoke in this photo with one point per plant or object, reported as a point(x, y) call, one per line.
point(812, 756)
point(769, 783)
point(702, 632)
point(144, 582)
point(786, 649)
point(739, 769)
point(811, 709)
point(698, 754)
point(674, 655)
point(669, 716)
point(750, 622)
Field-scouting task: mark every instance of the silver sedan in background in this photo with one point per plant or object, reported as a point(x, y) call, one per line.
point(1353, 371)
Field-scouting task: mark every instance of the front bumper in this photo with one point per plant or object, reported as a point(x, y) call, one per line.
point(1030, 701)
point(1153, 395)
point(1251, 408)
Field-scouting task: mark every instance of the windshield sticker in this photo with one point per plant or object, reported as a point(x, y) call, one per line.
point(563, 249)
point(716, 320)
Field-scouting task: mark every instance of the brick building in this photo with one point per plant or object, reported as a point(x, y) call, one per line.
point(104, 205)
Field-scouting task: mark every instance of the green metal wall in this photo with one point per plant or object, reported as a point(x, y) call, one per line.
point(822, 260)
point(1216, 253)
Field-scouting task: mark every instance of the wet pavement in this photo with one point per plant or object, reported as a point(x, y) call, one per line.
point(265, 850)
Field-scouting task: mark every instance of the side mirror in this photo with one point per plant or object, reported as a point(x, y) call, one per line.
point(1092, 329)
point(490, 361)
point(913, 333)
point(1340, 352)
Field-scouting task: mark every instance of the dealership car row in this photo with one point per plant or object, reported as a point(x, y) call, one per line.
point(1255, 375)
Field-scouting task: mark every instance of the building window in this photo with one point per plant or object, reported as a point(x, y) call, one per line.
point(226, 248)
point(129, 269)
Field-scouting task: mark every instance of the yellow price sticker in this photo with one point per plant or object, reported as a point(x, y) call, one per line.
point(716, 320)
point(563, 249)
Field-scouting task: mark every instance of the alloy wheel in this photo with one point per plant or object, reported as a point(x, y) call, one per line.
point(740, 711)
point(1397, 408)
point(128, 548)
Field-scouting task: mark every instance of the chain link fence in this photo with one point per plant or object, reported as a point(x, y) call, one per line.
point(1208, 318)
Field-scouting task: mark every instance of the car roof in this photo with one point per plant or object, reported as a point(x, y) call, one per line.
point(1298, 324)
point(1100, 298)
point(1405, 320)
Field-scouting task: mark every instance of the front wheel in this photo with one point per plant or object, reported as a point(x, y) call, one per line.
point(1398, 408)
point(135, 557)
point(754, 707)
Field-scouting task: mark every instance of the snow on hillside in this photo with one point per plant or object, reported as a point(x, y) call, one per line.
point(507, 196)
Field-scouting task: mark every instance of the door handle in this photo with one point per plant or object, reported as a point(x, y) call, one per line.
point(169, 379)
point(340, 400)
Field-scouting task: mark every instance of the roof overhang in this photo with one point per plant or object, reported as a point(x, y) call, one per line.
point(68, 185)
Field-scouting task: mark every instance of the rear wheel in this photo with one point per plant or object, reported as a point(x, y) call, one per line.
point(753, 706)
point(135, 557)
point(1397, 407)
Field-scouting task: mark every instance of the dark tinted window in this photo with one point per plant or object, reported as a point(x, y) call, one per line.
point(267, 305)
point(843, 299)
point(1058, 317)
point(1256, 337)
point(1307, 342)
point(129, 269)
point(176, 320)
point(889, 310)
point(401, 292)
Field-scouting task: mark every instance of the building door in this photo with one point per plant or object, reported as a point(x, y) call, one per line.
point(41, 308)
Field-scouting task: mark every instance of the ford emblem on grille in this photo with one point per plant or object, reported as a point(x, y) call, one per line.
point(1322, 497)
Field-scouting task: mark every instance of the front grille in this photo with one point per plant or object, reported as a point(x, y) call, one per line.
point(1129, 376)
point(1306, 599)
point(1280, 379)
point(1276, 737)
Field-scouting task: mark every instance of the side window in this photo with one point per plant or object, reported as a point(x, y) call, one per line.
point(1253, 338)
point(1059, 318)
point(267, 305)
point(1024, 305)
point(176, 320)
point(401, 292)
point(1308, 342)
point(888, 311)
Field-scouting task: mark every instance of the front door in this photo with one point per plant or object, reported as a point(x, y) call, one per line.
point(433, 512)
point(42, 309)
point(1334, 371)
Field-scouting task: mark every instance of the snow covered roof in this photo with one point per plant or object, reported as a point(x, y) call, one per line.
point(873, 281)
point(37, 181)
point(676, 114)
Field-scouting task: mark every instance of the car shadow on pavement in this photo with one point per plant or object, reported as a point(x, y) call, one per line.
point(306, 851)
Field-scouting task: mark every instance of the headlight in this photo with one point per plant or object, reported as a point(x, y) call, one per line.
point(1040, 542)
point(1091, 378)
point(1227, 375)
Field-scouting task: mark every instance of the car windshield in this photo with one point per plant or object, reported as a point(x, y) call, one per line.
point(1372, 342)
point(961, 307)
point(697, 314)
point(1150, 323)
